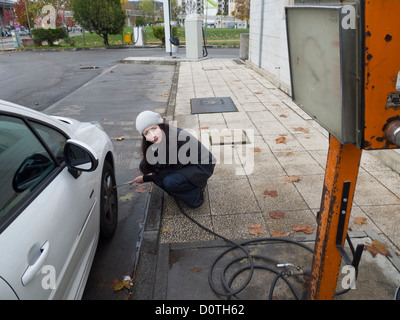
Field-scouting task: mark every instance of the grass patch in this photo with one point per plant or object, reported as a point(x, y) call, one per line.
point(214, 36)
point(90, 40)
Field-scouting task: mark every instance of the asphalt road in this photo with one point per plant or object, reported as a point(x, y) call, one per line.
point(91, 85)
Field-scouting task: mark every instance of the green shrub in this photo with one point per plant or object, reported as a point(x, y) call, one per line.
point(50, 35)
point(159, 32)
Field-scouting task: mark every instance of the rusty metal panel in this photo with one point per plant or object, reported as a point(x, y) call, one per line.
point(382, 71)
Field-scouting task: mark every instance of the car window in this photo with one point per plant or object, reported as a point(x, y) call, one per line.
point(24, 163)
point(54, 140)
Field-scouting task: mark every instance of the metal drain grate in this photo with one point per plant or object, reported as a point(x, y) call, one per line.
point(212, 105)
point(228, 137)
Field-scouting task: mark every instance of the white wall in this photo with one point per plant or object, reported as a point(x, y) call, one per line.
point(272, 59)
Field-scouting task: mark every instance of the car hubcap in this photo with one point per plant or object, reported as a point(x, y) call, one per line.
point(109, 197)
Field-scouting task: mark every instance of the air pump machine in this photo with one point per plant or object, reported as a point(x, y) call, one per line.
point(345, 73)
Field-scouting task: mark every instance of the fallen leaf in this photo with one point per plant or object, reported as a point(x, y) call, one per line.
point(257, 149)
point(276, 214)
point(255, 229)
point(165, 230)
point(289, 153)
point(271, 193)
point(127, 197)
point(118, 284)
point(141, 189)
point(120, 138)
point(204, 128)
point(281, 140)
point(196, 269)
point(360, 220)
point(279, 233)
point(292, 178)
point(283, 115)
point(301, 129)
point(376, 247)
point(304, 228)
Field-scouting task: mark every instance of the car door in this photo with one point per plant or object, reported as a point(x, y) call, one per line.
point(44, 211)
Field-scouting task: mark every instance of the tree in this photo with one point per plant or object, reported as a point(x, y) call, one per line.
point(126, 5)
point(148, 8)
point(103, 17)
point(7, 17)
point(242, 10)
point(20, 13)
point(176, 10)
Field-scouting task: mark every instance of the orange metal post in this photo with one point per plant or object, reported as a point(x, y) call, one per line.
point(342, 167)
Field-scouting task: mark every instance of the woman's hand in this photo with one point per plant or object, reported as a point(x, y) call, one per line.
point(138, 179)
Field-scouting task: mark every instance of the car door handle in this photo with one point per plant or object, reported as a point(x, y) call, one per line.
point(33, 269)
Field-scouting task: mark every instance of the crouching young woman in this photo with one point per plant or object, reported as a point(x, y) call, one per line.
point(173, 159)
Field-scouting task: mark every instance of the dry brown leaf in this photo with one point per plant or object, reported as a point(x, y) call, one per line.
point(119, 138)
point(304, 228)
point(271, 193)
point(360, 220)
point(141, 189)
point(255, 229)
point(376, 247)
point(280, 140)
point(283, 115)
point(257, 149)
point(196, 269)
point(301, 129)
point(276, 214)
point(292, 178)
point(289, 153)
point(279, 233)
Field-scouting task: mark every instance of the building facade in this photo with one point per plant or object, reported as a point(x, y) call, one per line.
point(5, 5)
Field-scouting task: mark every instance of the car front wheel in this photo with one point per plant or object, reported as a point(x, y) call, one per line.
point(108, 202)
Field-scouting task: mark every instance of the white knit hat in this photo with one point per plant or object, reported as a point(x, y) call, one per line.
point(146, 119)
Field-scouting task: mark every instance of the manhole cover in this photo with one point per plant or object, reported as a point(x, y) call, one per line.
point(212, 105)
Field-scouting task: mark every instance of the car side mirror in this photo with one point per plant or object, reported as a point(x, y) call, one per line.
point(79, 157)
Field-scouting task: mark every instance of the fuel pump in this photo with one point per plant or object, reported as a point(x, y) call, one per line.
point(193, 36)
point(345, 73)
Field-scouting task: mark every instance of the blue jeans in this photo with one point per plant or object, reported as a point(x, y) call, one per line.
point(177, 185)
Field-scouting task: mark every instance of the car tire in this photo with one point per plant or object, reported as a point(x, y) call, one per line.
point(108, 202)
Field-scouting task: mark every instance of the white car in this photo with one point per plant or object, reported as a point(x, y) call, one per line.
point(57, 197)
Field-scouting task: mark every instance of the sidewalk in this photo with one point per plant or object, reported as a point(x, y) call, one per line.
point(272, 195)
